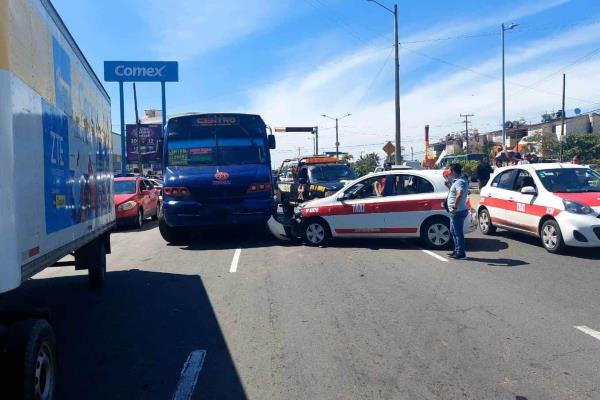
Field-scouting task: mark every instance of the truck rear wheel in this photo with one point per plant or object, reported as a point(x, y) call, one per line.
point(35, 350)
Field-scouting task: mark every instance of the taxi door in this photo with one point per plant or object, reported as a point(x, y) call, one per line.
point(498, 197)
point(359, 214)
point(408, 204)
point(521, 211)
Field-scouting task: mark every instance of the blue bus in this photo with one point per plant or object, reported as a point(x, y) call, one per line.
point(217, 172)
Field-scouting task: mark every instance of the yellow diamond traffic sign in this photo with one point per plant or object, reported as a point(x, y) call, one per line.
point(389, 148)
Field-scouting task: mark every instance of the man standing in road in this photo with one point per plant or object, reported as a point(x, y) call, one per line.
point(457, 206)
point(483, 172)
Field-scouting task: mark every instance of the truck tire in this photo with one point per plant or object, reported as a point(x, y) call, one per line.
point(35, 350)
point(97, 272)
point(170, 234)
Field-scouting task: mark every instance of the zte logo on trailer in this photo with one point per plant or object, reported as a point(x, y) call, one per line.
point(141, 71)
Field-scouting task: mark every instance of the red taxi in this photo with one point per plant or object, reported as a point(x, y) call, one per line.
point(135, 200)
point(389, 204)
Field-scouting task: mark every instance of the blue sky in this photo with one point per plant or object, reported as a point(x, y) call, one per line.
point(293, 60)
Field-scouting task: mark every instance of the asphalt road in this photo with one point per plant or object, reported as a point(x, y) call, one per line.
point(361, 319)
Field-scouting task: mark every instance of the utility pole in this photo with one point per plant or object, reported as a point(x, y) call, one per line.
point(504, 29)
point(397, 80)
point(316, 133)
point(299, 148)
point(562, 122)
point(412, 158)
point(337, 141)
point(137, 129)
point(466, 117)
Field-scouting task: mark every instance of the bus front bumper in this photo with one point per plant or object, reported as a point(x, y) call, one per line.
point(187, 213)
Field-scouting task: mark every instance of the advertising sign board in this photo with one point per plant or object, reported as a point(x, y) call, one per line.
point(150, 141)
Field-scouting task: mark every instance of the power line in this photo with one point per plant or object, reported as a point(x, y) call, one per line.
point(376, 77)
point(458, 66)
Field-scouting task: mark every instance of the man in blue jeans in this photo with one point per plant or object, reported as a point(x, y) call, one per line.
point(457, 206)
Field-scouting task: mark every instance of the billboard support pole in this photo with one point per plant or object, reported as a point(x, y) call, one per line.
point(164, 106)
point(123, 146)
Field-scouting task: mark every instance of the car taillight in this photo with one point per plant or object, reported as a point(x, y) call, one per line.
point(176, 191)
point(259, 187)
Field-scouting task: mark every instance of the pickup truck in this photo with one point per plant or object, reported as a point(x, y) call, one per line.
point(55, 180)
point(312, 177)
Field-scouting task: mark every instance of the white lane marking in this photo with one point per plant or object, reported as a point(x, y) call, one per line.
point(189, 375)
point(236, 259)
point(589, 331)
point(432, 254)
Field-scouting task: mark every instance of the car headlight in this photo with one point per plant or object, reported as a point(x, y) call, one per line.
point(576, 208)
point(128, 205)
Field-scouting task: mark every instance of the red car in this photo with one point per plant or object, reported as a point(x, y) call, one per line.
point(135, 200)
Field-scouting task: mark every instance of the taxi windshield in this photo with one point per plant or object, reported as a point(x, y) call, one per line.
point(570, 180)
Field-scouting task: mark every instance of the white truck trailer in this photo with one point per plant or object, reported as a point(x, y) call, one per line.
point(56, 196)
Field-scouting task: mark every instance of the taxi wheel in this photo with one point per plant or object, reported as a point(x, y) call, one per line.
point(551, 235)
point(435, 233)
point(315, 232)
point(485, 223)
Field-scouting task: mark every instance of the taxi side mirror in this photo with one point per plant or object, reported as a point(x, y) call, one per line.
point(528, 190)
point(272, 142)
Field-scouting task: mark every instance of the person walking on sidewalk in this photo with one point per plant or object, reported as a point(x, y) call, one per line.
point(457, 206)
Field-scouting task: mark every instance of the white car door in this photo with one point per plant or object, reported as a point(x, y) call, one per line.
point(497, 196)
point(410, 202)
point(521, 211)
point(358, 211)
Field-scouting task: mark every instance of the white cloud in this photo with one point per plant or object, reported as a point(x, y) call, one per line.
point(338, 86)
point(186, 29)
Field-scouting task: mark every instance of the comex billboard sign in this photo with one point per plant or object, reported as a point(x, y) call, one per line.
point(140, 71)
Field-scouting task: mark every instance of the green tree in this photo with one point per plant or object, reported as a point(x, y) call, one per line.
point(586, 145)
point(549, 145)
point(347, 157)
point(366, 163)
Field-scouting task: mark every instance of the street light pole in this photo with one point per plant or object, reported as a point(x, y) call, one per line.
point(337, 141)
point(504, 29)
point(397, 80)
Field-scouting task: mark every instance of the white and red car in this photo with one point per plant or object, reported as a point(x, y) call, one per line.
point(559, 203)
point(390, 204)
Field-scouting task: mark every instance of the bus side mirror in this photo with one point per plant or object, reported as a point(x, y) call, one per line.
point(272, 142)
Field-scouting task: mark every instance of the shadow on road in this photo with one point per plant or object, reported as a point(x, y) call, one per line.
point(579, 252)
point(484, 244)
point(131, 339)
point(148, 225)
point(498, 262)
point(227, 238)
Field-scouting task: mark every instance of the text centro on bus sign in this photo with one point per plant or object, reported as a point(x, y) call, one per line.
point(141, 71)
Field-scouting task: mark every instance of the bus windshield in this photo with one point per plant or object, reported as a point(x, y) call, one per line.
point(192, 141)
point(570, 180)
